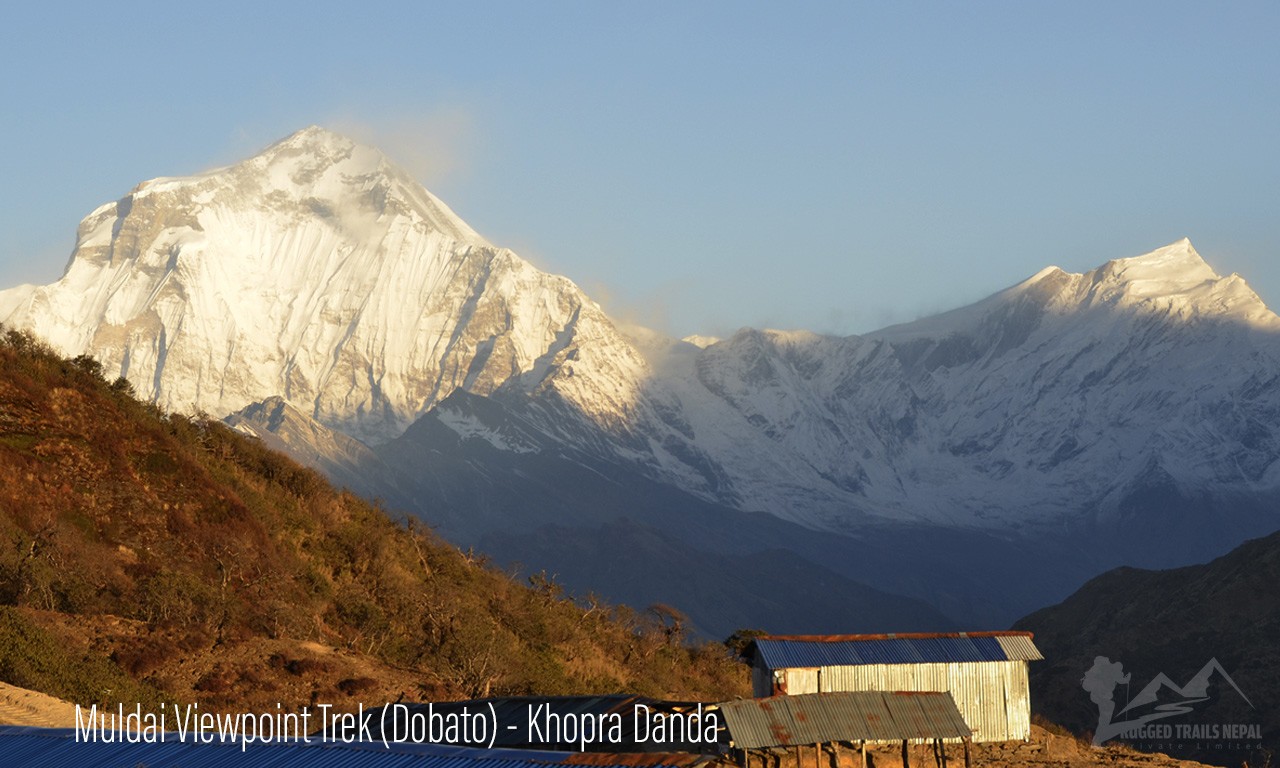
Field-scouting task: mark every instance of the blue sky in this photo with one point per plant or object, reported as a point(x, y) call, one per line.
point(697, 166)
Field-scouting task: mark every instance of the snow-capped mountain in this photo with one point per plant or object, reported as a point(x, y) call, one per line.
point(1051, 403)
point(316, 271)
point(320, 294)
point(1066, 402)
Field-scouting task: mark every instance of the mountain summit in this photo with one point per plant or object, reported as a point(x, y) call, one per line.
point(317, 271)
point(1174, 279)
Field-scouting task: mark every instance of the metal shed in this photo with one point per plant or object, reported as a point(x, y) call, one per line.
point(985, 672)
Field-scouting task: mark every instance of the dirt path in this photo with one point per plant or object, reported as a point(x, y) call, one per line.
point(19, 706)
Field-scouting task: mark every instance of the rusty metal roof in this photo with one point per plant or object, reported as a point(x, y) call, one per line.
point(780, 651)
point(814, 718)
point(897, 636)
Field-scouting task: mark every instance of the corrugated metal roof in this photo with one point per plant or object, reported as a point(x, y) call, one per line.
point(50, 747)
point(845, 716)
point(844, 650)
point(1020, 648)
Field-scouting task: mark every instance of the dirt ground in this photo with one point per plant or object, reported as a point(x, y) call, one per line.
point(1047, 750)
point(18, 706)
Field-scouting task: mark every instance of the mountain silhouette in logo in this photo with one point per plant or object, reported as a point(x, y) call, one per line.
point(1195, 690)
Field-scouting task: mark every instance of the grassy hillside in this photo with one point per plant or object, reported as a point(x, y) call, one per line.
point(147, 554)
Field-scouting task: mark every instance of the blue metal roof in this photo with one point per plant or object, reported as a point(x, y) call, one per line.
point(50, 747)
point(782, 652)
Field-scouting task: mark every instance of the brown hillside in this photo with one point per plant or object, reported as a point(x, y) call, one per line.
point(144, 554)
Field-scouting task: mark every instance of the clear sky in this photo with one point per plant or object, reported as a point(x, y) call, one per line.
point(694, 165)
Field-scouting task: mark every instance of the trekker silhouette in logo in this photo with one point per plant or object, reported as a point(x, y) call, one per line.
point(1103, 677)
point(1101, 681)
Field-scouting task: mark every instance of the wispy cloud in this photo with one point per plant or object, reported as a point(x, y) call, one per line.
point(434, 145)
point(650, 309)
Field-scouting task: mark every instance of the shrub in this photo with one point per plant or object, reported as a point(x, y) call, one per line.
point(32, 658)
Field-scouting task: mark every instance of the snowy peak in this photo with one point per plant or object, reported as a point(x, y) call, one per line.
point(319, 272)
point(1176, 281)
point(1173, 282)
point(318, 171)
point(316, 155)
point(1174, 268)
point(317, 162)
point(313, 140)
point(1175, 273)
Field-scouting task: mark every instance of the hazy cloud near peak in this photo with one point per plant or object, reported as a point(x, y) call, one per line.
point(433, 146)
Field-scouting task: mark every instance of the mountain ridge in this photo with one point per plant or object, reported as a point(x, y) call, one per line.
point(1085, 406)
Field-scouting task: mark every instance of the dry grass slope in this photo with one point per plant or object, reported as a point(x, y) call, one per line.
point(166, 555)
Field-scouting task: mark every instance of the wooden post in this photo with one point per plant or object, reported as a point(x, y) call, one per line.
point(942, 750)
point(817, 756)
point(862, 747)
point(905, 762)
point(966, 753)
